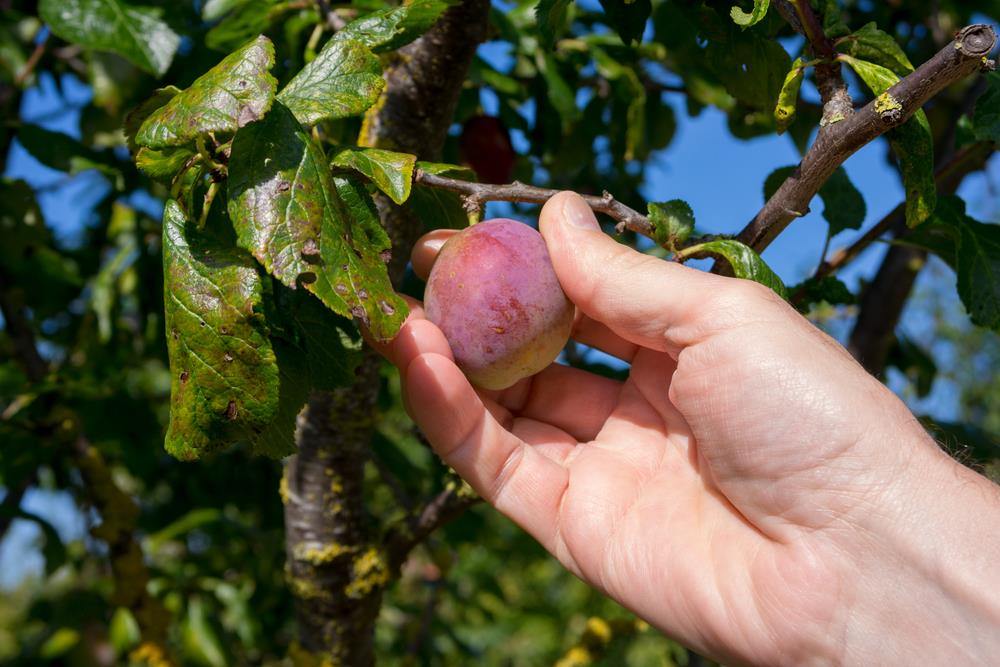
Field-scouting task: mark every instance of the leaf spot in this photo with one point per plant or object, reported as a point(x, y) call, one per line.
point(231, 410)
point(386, 307)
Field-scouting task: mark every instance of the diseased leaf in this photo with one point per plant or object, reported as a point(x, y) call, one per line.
point(353, 248)
point(391, 28)
point(275, 199)
point(137, 116)
point(788, 98)
point(673, 221)
point(237, 91)
point(224, 376)
point(912, 142)
point(552, 17)
point(438, 208)
point(391, 172)
point(873, 45)
point(134, 32)
point(344, 80)
point(315, 349)
point(627, 17)
point(755, 16)
point(307, 227)
point(986, 118)
point(843, 204)
point(745, 263)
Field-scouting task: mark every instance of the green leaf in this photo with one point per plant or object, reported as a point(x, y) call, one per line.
point(828, 289)
point(752, 68)
point(124, 630)
point(913, 362)
point(288, 211)
point(199, 639)
point(53, 149)
point(986, 118)
point(673, 221)
point(353, 252)
point(559, 93)
point(745, 263)
point(237, 91)
point(164, 164)
point(755, 16)
point(912, 142)
point(873, 45)
point(788, 98)
point(59, 643)
point(134, 32)
point(979, 272)
point(224, 377)
point(344, 80)
point(244, 22)
point(843, 204)
point(389, 29)
point(391, 172)
point(137, 116)
point(627, 17)
point(438, 208)
point(972, 249)
point(552, 17)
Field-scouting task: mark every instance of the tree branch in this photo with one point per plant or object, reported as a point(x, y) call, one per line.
point(441, 509)
point(332, 18)
point(956, 61)
point(336, 567)
point(476, 194)
point(947, 178)
point(837, 102)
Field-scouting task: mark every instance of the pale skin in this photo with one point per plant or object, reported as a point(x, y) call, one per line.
point(749, 490)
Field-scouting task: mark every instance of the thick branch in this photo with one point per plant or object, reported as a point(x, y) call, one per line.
point(476, 194)
point(336, 566)
point(841, 140)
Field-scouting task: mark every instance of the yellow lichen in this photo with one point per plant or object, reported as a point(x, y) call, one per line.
point(150, 654)
point(321, 555)
point(306, 590)
point(302, 657)
point(886, 103)
point(370, 573)
point(283, 487)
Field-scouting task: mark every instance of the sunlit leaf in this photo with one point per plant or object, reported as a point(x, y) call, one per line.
point(137, 33)
point(237, 91)
point(391, 172)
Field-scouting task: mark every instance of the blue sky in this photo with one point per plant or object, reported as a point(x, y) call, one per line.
point(720, 176)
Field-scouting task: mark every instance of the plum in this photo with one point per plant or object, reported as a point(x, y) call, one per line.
point(494, 294)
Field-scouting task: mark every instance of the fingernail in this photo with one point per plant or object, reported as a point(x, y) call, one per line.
point(578, 214)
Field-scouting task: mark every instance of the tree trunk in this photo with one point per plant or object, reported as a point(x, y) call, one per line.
point(336, 567)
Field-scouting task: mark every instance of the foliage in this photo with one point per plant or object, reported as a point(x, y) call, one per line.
point(202, 332)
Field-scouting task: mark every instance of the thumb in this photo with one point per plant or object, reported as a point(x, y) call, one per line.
point(645, 300)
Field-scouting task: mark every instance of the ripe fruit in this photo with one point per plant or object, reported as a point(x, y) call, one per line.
point(486, 148)
point(494, 294)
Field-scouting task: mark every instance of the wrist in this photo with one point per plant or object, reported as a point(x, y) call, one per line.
point(927, 573)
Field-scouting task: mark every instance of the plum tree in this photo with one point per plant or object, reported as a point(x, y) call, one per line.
point(494, 294)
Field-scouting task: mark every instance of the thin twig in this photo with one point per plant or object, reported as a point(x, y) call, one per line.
point(477, 194)
point(333, 19)
point(441, 509)
point(839, 141)
point(947, 177)
point(31, 62)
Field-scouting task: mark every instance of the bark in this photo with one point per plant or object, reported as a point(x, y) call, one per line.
point(336, 567)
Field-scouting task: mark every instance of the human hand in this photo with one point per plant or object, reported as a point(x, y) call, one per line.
point(749, 489)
